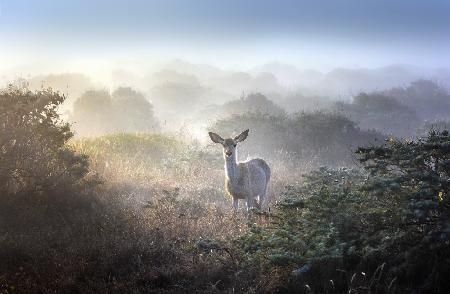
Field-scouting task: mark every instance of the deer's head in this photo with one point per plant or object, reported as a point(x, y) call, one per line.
point(229, 145)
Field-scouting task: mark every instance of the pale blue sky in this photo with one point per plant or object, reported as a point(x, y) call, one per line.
point(321, 34)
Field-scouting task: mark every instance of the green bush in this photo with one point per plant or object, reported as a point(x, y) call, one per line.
point(382, 113)
point(385, 229)
point(35, 158)
point(317, 138)
point(429, 99)
point(124, 110)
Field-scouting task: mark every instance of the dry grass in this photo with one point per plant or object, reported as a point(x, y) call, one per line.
point(149, 164)
point(138, 231)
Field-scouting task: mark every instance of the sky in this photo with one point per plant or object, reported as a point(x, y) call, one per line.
point(229, 33)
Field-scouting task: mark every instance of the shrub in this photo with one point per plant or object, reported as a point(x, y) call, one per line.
point(382, 113)
point(254, 102)
point(125, 110)
point(35, 157)
point(316, 139)
point(429, 99)
point(385, 229)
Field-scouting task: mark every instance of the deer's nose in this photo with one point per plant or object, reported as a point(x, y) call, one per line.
point(228, 152)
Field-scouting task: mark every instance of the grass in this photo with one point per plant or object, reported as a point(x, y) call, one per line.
point(139, 230)
point(155, 162)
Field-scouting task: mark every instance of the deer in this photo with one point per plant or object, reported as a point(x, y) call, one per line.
point(243, 180)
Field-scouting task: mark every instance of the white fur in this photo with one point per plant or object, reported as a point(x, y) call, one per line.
point(244, 180)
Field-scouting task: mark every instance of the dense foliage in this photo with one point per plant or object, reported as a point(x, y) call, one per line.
point(429, 99)
point(314, 139)
point(253, 102)
point(124, 110)
point(34, 155)
point(382, 113)
point(387, 229)
point(160, 221)
point(402, 111)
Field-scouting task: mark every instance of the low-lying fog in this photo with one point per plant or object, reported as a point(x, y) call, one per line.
point(187, 98)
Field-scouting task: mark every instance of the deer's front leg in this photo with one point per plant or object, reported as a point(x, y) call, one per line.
point(250, 202)
point(235, 204)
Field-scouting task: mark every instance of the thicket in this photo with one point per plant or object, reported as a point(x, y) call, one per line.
point(65, 229)
point(253, 102)
point(382, 229)
point(382, 113)
point(312, 138)
point(430, 100)
point(33, 139)
point(402, 111)
point(98, 112)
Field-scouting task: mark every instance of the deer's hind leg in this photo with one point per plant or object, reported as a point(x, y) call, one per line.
point(258, 201)
point(251, 201)
point(262, 198)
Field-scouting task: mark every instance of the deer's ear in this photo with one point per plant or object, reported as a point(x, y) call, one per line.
point(215, 138)
point(241, 137)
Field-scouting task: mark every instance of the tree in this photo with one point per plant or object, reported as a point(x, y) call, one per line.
point(35, 157)
point(254, 102)
point(382, 113)
point(134, 113)
point(126, 110)
point(92, 113)
point(430, 100)
point(383, 229)
point(421, 171)
point(317, 138)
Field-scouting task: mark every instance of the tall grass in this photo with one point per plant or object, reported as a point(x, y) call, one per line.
point(139, 230)
point(152, 162)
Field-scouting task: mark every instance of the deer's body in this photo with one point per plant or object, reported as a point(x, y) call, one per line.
point(243, 180)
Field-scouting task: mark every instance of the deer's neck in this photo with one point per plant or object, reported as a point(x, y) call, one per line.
point(231, 170)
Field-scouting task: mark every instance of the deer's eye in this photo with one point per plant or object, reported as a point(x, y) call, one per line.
point(234, 145)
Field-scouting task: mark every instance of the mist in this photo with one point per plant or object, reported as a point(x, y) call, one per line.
point(189, 95)
point(224, 146)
